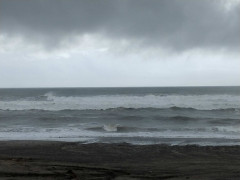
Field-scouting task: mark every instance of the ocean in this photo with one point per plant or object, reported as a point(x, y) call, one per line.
point(151, 115)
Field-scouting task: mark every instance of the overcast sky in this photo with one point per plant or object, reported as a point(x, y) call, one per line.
point(107, 43)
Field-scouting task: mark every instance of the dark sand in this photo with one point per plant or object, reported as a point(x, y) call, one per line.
point(60, 160)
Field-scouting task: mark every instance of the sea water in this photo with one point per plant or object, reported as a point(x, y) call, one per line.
point(154, 115)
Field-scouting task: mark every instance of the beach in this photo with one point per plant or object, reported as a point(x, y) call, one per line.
point(119, 90)
point(73, 160)
point(171, 133)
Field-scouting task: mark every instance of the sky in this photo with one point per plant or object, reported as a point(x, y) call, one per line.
point(119, 43)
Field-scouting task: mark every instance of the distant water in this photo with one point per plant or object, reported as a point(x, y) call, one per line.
point(171, 115)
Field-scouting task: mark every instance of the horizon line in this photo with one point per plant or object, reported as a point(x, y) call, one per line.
point(56, 87)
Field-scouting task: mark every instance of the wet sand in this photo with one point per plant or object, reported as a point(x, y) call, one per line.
point(61, 160)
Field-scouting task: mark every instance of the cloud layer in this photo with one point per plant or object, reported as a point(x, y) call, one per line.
point(177, 25)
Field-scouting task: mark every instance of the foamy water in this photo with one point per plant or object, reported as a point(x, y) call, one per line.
point(52, 102)
point(205, 116)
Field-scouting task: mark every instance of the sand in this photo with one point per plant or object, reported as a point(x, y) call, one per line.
point(62, 160)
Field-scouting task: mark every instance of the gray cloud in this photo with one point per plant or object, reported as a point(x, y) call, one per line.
point(174, 24)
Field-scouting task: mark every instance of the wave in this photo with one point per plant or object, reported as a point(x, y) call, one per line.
point(121, 129)
point(119, 109)
point(117, 128)
point(51, 102)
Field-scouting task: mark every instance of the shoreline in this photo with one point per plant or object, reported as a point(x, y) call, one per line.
point(141, 141)
point(73, 160)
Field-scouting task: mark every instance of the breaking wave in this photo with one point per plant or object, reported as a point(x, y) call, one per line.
point(129, 129)
point(51, 102)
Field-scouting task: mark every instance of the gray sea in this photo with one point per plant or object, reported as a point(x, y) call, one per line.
point(169, 115)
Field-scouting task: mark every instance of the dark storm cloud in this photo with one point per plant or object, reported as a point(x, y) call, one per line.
point(174, 24)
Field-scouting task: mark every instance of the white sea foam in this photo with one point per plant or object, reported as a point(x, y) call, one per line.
point(81, 134)
point(111, 127)
point(55, 103)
